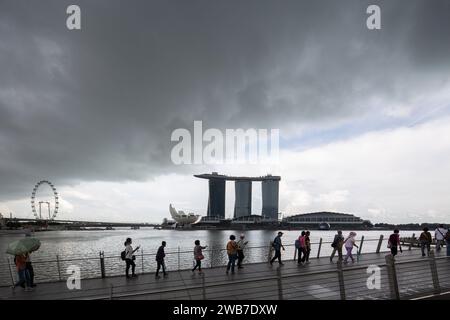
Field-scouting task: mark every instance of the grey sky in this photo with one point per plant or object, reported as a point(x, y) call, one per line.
point(99, 104)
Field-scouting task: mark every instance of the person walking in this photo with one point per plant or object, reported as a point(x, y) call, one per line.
point(301, 248)
point(439, 235)
point(277, 245)
point(198, 256)
point(160, 260)
point(22, 272)
point(425, 241)
point(337, 244)
point(349, 243)
point(307, 246)
point(447, 240)
point(240, 250)
point(394, 242)
point(129, 258)
point(232, 253)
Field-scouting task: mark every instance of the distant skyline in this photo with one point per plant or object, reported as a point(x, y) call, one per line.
point(363, 115)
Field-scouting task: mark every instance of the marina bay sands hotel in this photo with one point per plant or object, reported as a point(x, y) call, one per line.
point(243, 196)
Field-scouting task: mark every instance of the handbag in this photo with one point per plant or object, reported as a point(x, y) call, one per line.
point(200, 257)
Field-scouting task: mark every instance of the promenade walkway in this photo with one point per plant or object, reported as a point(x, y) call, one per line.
point(319, 279)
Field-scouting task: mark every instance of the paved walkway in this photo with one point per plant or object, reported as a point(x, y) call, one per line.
point(316, 280)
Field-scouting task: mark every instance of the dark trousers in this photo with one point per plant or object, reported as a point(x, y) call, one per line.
point(130, 263)
point(277, 256)
point(240, 257)
point(160, 264)
point(24, 278)
point(29, 268)
point(394, 250)
point(337, 249)
point(198, 265)
point(300, 253)
point(231, 262)
point(424, 244)
point(307, 252)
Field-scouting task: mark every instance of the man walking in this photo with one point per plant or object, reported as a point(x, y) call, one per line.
point(277, 245)
point(439, 235)
point(240, 250)
point(160, 260)
point(337, 244)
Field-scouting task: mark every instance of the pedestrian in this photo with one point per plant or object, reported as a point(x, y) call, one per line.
point(160, 260)
point(198, 256)
point(240, 250)
point(425, 241)
point(277, 245)
point(307, 246)
point(439, 235)
point(129, 258)
point(394, 242)
point(22, 272)
point(349, 243)
point(301, 248)
point(447, 240)
point(232, 253)
point(29, 265)
point(337, 244)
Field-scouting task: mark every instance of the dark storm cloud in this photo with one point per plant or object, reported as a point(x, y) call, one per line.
point(100, 103)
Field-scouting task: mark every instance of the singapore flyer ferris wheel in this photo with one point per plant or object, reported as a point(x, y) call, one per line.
point(38, 215)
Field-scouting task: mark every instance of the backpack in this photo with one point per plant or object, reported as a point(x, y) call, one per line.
point(447, 235)
point(123, 254)
point(297, 244)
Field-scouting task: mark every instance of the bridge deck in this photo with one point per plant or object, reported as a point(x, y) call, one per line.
point(316, 280)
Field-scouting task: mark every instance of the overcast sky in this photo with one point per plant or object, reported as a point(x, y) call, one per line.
point(364, 115)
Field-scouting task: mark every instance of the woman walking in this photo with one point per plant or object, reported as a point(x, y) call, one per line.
point(394, 242)
point(425, 241)
point(232, 253)
point(349, 243)
point(198, 256)
point(301, 248)
point(129, 258)
point(307, 246)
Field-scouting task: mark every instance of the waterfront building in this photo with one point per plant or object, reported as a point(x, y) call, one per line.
point(319, 219)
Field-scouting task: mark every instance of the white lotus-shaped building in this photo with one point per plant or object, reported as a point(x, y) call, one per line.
point(182, 218)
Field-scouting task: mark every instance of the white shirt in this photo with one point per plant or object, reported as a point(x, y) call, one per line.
point(440, 235)
point(128, 252)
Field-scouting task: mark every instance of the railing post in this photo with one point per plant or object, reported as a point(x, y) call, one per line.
point(102, 264)
point(434, 273)
point(320, 246)
point(360, 245)
point(340, 273)
point(111, 292)
point(295, 253)
point(10, 272)
point(59, 269)
point(280, 284)
point(142, 259)
point(178, 258)
point(392, 277)
point(379, 243)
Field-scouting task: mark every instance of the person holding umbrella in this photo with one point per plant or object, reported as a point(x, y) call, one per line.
point(20, 249)
point(22, 272)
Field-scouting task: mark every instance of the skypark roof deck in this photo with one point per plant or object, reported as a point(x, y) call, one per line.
point(215, 175)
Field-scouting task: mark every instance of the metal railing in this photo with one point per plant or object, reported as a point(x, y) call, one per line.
point(398, 280)
point(50, 269)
